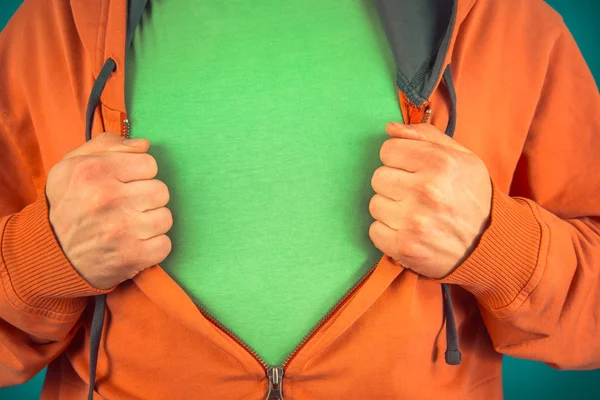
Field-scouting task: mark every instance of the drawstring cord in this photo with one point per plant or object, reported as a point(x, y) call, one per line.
point(94, 99)
point(98, 318)
point(452, 355)
point(96, 333)
point(450, 86)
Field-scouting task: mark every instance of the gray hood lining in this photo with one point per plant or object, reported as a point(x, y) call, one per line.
point(419, 34)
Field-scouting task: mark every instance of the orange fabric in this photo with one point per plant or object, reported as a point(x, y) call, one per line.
point(531, 288)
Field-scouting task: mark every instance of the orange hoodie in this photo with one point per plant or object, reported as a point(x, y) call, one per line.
point(530, 289)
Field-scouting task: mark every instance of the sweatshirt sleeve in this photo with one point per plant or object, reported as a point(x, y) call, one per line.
point(42, 296)
point(536, 269)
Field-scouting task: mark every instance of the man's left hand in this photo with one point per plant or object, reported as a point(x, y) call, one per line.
point(432, 201)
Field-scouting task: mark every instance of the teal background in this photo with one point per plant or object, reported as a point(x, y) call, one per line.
point(523, 380)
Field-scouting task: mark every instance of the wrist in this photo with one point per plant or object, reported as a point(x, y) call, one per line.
point(39, 274)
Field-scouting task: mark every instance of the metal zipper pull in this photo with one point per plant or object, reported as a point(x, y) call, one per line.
point(426, 115)
point(275, 376)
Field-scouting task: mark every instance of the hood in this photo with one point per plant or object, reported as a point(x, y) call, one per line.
point(421, 36)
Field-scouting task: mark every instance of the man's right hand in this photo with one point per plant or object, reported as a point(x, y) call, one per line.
point(107, 211)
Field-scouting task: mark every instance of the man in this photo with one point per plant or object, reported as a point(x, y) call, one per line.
point(365, 199)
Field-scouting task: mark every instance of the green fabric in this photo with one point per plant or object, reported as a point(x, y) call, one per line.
point(266, 119)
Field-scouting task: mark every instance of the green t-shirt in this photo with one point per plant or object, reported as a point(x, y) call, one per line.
point(266, 119)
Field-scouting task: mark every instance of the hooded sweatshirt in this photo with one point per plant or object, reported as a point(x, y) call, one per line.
point(530, 288)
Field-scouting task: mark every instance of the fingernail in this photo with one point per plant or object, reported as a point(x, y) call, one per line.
point(132, 142)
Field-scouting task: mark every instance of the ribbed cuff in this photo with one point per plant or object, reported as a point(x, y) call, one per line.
point(506, 257)
point(40, 274)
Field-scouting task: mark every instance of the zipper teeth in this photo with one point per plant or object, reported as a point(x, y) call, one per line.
point(332, 311)
point(125, 126)
point(305, 339)
point(232, 335)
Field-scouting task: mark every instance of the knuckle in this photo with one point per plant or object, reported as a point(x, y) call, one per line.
point(59, 171)
point(155, 251)
point(97, 199)
point(168, 246)
point(431, 193)
point(373, 206)
point(88, 169)
point(373, 231)
point(163, 192)
point(104, 196)
point(418, 224)
point(114, 228)
point(426, 192)
point(164, 247)
point(82, 169)
point(444, 160)
point(386, 151)
point(376, 179)
point(149, 164)
point(168, 219)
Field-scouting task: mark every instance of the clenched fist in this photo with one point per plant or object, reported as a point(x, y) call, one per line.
point(433, 200)
point(107, 211)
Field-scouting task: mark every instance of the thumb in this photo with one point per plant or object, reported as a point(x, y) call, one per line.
point(110, 142)
point(423, 132)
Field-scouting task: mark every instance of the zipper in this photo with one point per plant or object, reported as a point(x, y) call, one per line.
point(418, 114)
point(125, 126)
point(426, 114)
point(332, 311)
point(249, 349)
point(275, 373)
point(413, 113)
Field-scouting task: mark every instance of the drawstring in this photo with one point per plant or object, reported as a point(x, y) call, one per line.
point(97, 323)
point(98, 318)
point(453, 355)
point(94, 99)
point(452, 120)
